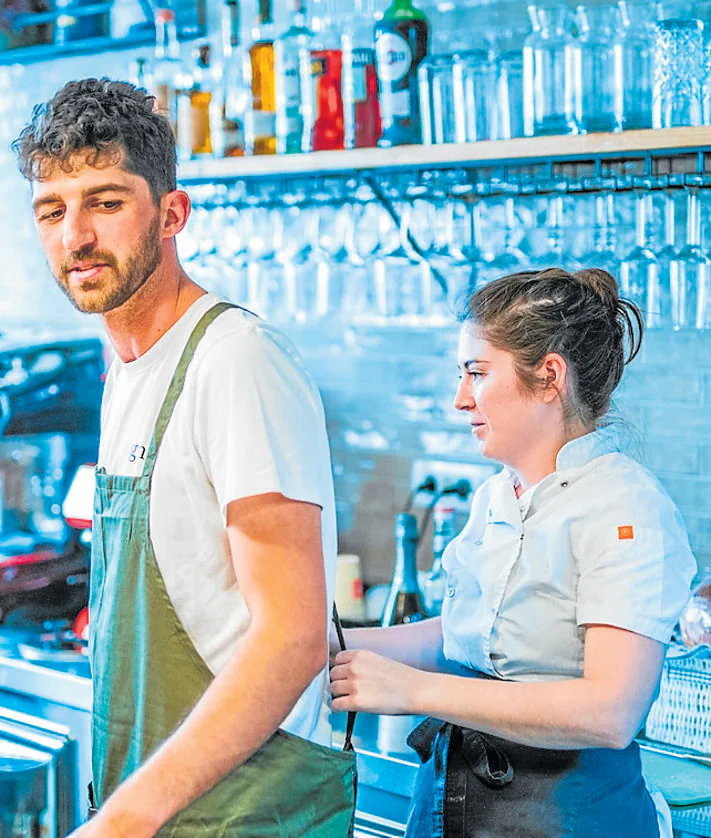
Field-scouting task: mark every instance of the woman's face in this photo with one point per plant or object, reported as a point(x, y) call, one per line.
point(507, 421)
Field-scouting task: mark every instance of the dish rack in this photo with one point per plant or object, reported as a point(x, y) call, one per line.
point(681, 717)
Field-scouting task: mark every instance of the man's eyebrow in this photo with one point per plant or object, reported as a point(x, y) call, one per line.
point(46, 199)
point(106, 187)
point(87, 193)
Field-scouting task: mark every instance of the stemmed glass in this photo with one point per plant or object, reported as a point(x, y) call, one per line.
point(690, 272)
point(601, 251)
point(660, 303)
point(510, 258)
point(639, 269)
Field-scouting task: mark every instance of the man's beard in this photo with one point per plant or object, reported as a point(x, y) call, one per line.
point(115, 285)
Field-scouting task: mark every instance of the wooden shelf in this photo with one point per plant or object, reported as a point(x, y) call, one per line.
point(666, 141)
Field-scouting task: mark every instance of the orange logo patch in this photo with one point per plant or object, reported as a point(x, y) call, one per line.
point(625, 533)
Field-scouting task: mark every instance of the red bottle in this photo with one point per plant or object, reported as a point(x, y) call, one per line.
point(327, 72)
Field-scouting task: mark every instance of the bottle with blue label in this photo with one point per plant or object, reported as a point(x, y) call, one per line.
point(401, 42)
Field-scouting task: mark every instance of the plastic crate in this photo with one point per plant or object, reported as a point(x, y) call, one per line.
point(681, 715)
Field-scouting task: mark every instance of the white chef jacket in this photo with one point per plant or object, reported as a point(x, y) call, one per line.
point(597, 541)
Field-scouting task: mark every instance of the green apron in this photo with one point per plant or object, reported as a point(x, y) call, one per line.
point(148, 676)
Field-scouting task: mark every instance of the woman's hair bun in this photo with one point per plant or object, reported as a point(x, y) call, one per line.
point(603, 284)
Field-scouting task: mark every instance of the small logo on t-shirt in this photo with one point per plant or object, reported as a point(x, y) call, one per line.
point(138, 452)
point(625, 533)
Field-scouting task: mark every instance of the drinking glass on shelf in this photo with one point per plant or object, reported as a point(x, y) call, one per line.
point(638, 20)
point(680, 64)
point(601, 55)
point(552, 73)
point(690, 272)
point(639, 269)
point(475, 89)
point(441, 100)
point(555, 253)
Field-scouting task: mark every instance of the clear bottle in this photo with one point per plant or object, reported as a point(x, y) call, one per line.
point(600, 37)
point(167, 67)
point(690, 272)
point(638, 37)
point(292, 66)
point(434, 585)
point(361, 108)
point(261, 127)
point(327, 76)
point(194, 136)
point(509, 83)
point(552, 73)
point(639, 269)
point(231, 97)
point(404, 601)
point(401, 43)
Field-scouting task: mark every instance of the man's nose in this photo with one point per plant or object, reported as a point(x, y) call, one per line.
point(78, 232)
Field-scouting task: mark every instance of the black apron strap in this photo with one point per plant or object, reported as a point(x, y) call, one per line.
point(348, 744)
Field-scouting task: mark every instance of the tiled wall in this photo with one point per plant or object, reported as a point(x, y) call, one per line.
point(387, 393)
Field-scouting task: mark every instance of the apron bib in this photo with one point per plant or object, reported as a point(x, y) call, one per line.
point(476, 786)
point(148, 675)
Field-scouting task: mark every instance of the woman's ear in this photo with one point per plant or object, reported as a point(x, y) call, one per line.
point(553, 376)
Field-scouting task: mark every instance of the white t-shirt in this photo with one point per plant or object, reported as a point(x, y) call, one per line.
point(248, 421)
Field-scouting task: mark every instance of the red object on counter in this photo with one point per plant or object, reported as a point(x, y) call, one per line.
point(327, 71)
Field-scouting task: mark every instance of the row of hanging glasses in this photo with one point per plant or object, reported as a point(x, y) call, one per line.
point(407, 251)
point(512, 70)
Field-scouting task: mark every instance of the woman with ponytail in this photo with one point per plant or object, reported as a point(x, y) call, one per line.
point(563, 588)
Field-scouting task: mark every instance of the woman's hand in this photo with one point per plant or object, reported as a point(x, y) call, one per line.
point(370, 683)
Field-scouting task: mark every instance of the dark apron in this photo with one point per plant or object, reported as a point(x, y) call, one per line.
point(148, 676)
point(476, 786)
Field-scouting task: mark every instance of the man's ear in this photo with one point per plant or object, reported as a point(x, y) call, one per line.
point(174, 211)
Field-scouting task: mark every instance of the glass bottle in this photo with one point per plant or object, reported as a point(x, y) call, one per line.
point(509, 83)
point(638, 19)
point(327, 74)
point(404, 601)
point(231, 97)
point(292, 65)
point(194, 136)
point(638, 270)
point(361, 108)
point(601, 60)
point(551, 73)
point(167, 67)
point(401, 43)
point(690, 272)
point(434, 585)
point(261, 125)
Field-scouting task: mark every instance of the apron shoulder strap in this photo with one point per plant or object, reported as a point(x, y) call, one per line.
point(177, 382)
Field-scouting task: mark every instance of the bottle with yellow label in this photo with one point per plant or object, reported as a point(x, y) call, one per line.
point(262, 122)
point(194, 99)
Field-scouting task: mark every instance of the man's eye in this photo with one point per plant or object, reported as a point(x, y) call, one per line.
point(52, 216)
point(110, 205)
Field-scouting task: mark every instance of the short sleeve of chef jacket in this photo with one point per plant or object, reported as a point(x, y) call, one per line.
point(635, 563)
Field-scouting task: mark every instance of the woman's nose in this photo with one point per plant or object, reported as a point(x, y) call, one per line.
point(464, 397)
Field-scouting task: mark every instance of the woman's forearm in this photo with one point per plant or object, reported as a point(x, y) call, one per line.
point(415, 644)
point(567, 714)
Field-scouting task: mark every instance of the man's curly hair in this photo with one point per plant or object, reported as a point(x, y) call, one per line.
point(112, 121)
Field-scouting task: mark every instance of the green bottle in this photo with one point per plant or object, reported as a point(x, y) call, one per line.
point(401, 41)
